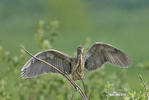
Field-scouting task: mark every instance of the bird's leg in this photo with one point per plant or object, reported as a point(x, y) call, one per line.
point(82, 81)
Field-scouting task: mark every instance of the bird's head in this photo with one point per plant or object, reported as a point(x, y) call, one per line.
point(80, 50)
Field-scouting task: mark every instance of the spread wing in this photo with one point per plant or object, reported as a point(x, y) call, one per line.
point(35, 68)
point(101, 53)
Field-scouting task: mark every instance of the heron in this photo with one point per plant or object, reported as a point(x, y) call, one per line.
point(96, 57)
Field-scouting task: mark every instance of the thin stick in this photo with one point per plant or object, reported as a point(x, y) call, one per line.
point(146, 88)
point(85, 90)
point(83, 84)
point(62, 73)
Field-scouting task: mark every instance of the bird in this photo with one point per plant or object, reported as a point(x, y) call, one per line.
point(99, 54)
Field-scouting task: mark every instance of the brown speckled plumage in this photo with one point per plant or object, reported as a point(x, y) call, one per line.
point(96, 56)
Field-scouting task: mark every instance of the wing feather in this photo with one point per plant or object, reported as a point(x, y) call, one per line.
point(101, 53)
point(58, 59)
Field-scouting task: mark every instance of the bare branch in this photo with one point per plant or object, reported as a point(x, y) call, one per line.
point(85, 89)
point(62, 73)
point(145, 87)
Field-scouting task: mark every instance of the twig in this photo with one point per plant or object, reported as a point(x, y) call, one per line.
point(146, 88)
point(83, 84)
point(85, 90)
point(62, 73)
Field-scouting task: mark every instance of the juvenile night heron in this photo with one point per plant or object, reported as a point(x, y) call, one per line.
point(96, 56)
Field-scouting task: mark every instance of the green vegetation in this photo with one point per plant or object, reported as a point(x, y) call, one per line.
point(64, 26)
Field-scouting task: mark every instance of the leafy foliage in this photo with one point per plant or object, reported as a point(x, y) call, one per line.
point(55, 87)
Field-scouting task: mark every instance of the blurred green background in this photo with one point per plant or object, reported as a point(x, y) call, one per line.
point(122, 23)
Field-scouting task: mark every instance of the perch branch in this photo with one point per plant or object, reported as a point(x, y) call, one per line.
point(62, 73)
point(146, 88)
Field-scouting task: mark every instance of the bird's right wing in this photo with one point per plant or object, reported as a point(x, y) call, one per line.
point(58, 59)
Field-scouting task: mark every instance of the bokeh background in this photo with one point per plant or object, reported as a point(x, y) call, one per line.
point(122, 23)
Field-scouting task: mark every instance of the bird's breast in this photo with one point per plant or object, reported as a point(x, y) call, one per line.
point(78, 69)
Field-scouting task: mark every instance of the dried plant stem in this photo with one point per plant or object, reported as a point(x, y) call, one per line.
point(85, 90)
point(146, 88)
point(62, 73)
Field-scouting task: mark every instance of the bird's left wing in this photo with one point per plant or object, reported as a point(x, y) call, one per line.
point(58, 59)
point(101, 53)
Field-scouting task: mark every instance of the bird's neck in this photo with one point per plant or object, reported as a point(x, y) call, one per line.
point(79, 59)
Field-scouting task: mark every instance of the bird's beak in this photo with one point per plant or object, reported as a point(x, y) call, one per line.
point(82, 51)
